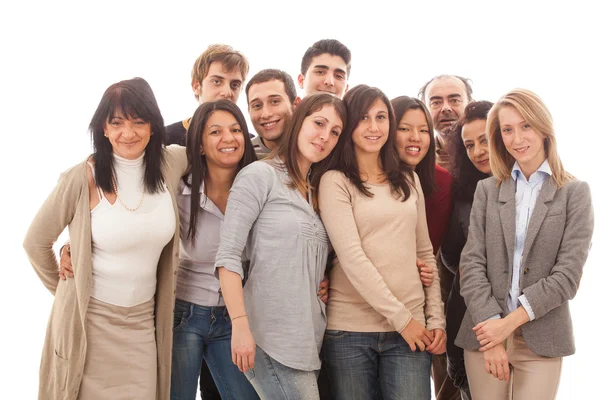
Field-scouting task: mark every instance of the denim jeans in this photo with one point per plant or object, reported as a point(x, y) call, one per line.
point(357, 362)
point(274, 381)
point(204, 332)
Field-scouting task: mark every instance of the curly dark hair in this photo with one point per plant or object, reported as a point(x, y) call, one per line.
point(465, 174)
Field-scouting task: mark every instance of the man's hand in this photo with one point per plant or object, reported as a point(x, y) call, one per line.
point(66, 268)
point(323, 292)
point(425, 272)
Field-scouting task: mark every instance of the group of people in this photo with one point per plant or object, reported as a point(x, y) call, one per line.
point(354, 247)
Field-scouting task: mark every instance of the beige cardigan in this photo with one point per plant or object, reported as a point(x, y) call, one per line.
point(63, 356)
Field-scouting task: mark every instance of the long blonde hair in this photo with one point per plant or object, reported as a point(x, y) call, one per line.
point(535, 112)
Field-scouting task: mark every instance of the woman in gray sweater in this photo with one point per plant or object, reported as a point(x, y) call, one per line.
point(279, 321)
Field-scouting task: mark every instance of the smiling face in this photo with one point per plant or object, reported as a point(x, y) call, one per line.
point(219, 84)
point(373, 130)
point(270, 109)
point(318, 135)
point(475, 140)
point(521, 140)
point(222, 140)
point(413, 137)
point(326, 74)
point(128, 137)
point(446, 99)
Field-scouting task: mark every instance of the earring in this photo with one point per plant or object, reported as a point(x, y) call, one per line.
point(201, 150)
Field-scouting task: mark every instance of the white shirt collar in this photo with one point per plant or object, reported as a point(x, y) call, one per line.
point(545, 168)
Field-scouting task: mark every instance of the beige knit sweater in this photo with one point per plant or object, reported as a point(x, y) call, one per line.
point(375, 284)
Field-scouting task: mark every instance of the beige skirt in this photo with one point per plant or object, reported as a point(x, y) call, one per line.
point(121, 352)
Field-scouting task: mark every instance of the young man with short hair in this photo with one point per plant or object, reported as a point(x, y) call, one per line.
point(272, 98)
point(325, 68)
point(218, 73)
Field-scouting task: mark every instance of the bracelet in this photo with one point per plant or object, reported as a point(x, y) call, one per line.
point(239, 316)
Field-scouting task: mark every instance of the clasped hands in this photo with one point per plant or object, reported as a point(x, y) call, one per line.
point(491, 335)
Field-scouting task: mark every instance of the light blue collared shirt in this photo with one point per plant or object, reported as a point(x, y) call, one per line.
point(526, 195)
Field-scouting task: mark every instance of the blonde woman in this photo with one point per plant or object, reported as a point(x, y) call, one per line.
point(529, 237)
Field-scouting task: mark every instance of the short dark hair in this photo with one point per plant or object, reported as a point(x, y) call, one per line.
point(134, 99)
point(465, 81)
point(198, 167)
point(465, 174)
point(326, 46)
point(426, 168)
point(267, 75)
point(358, 100)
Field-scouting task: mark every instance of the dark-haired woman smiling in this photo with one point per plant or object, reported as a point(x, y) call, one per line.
point(382, 323)
point(110, 331)
point(218, 147)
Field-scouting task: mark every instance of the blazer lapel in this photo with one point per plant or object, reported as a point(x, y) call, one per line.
point(508, 215)
point(539, 213)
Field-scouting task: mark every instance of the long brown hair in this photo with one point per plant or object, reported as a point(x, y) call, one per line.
point(358, 101)
point(288, 150)
point(535, 112)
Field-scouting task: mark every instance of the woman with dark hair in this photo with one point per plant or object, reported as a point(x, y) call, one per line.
point(469, 155)
point(218, 147)
point(382, 324)
point(416, 147)
point(271, 211)
point(110, 330)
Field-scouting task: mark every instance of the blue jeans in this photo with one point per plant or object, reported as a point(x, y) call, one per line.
point(357, 362)
point(274, 381)
point(204, 332)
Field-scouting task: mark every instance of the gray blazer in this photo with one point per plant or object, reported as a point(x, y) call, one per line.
point(556, 247)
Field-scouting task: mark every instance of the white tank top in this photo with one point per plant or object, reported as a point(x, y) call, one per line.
point(126, 245)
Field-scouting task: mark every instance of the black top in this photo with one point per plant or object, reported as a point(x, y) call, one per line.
point(176, 133)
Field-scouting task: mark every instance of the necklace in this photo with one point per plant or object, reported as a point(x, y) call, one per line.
point(114, 185)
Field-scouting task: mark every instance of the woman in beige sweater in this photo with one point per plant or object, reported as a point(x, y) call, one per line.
point(110, 331)
point(382, 323)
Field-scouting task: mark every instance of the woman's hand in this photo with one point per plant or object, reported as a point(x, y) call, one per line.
point(66, 268)
point(243, 348)
point(493, 332)
point(416, 335)
point(323, 292)
point(425, 272)
point(496, 362)
point(438, 346)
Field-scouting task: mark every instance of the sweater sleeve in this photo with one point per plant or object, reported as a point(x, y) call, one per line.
point(475, 286)
point(177, 160)
point(55, 214)
point(434, 307)
point(247, 197)
point(335, 204)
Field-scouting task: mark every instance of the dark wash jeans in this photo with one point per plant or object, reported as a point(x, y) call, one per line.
point(204, 332)
point(372, 365)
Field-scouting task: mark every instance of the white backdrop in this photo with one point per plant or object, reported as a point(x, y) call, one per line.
point(59, 57)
